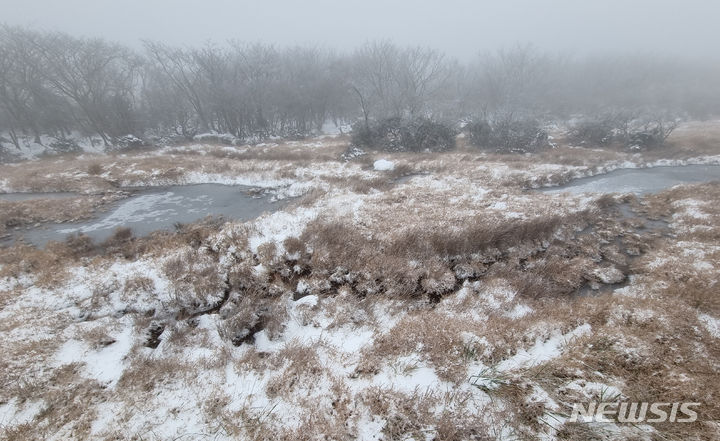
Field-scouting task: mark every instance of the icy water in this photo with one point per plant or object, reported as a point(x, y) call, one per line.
point(160, 208)
point(640, 180)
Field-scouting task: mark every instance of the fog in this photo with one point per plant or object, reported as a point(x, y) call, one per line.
point(459, 28)
point(129, 72)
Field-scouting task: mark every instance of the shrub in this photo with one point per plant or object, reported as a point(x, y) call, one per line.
point(651, 134)
point(507, 135)
point(129, 141)
point(79, 245)
point(602, 130)
point(623, 130)
point(95, 169)
point(403, 135)
point(120, 242)
point(64, 146)
point(196, 283)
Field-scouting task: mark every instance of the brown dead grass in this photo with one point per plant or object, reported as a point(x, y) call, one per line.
point(652, 342)
point(302, 370)
point(428, 261)
point(49, 266)
point(439, 337)
point(68, 405)
point(196, 283)
point(662, 359)
point(698, 138)
point(18, 214)
point(146, 374)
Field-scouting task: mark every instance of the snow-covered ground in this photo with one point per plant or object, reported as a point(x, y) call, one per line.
point(395, 297)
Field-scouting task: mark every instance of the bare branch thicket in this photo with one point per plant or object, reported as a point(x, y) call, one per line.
point(55, 87)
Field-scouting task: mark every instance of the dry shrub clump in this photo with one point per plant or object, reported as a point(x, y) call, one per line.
point(95, 169)
point(199, 233)
point(195, 280)
point(121, 242)
point(302, 370)
point(480, 236)
point(249, 313)
point(252, 305)
point(437, 336)
point(136, 285)
point(428, 262)
point(547, 274)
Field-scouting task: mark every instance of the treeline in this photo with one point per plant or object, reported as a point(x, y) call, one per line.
point(54, 87)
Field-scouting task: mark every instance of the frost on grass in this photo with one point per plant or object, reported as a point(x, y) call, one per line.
point(439, 307)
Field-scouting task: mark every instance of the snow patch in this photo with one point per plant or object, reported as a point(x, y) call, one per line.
point(13, 414)
point(106, 365)
point(543, 351)
point(519, 311)
point(711, 324)
point(383, 165)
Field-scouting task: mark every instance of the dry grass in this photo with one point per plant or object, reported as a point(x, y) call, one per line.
point(433, 262)
point(650, 344)
point(69, 402)
point(696, 138)
point(661, 359)
point(49, 266)
point(18, 214)
point(302, 370)
point(148, 374)
point(102, 173)
point(95, 169)
point(649, 341)
point(416, 414)
point(439, 337)
point(196, 283)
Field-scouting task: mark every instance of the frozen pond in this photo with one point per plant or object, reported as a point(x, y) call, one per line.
point(160, 208)
point(640, 180)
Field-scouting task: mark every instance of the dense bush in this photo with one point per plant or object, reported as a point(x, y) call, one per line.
point(602, 130)
point(507, 135)
point(63, 145)
point(403, 135)
point(621, 130)
point(217, 138)
point(650, 135)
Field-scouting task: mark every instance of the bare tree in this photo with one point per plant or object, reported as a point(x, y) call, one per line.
point(95, 76)
point(513, 80)
point(178, 67)
point(20, 83)
point(394, 82)
point(54, 84)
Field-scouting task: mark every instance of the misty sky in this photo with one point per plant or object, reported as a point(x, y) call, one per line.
point(459, 27)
